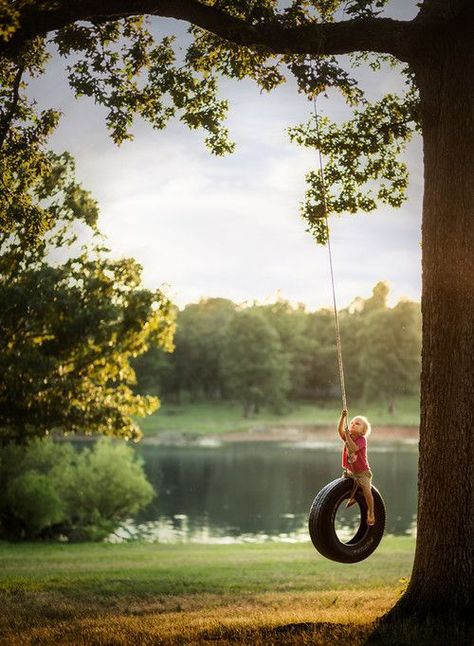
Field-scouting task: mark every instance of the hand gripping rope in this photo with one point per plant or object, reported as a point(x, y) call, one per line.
point(322, 515)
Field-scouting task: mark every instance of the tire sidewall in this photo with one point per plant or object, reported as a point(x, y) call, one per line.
point(322, 520)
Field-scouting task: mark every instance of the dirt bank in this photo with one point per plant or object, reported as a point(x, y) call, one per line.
point(292, 433)
point(314, 433)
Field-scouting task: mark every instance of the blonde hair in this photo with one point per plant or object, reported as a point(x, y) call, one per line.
point(365, 422)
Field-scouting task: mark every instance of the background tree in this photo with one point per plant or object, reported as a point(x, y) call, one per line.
point(258, 40)
point(290, 324)
point(255, 366)
point(70, 330)
point(389, 342)
point(381, 350)
point(201, 337)
point(195, 367)
point(320, 368)
point(156, 374)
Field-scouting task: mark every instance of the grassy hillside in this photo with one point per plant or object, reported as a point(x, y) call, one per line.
point(219, 417)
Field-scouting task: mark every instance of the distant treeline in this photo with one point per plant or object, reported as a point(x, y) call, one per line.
point(272, 354)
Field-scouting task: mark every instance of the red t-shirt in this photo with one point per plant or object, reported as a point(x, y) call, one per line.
point(360, 463)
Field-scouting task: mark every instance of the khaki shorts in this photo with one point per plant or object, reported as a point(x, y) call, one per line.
point(363, 478)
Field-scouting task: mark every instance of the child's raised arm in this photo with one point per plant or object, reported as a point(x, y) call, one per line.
point(351, 445)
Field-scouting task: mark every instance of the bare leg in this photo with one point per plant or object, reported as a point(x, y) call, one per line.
point(369, 499)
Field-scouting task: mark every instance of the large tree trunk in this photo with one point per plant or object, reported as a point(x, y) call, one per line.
point(442, 578)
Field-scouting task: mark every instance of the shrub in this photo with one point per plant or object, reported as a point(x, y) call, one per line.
point(51, 490)
point(34, 504)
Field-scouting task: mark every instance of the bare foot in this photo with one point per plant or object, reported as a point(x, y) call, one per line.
point(370, 520)
point(350, 502)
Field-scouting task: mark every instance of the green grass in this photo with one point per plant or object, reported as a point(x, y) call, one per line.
point(207, 418)
point(258, 594)
point(163, 569)
point(140, 593)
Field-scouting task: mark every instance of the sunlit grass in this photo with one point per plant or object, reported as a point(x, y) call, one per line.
point(221, 417)
point(145, 593)
point(264, 619)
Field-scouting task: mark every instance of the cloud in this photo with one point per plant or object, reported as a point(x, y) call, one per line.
point(230, 226)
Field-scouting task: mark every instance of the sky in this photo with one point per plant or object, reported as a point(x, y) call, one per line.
point(205, 226)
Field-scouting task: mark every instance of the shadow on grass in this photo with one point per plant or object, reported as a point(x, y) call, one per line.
point(322, 634)
point(402, 632)
point(395, 630)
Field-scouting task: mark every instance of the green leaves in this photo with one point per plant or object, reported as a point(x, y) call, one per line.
point(364, 8)
point(69, 331)
point(326, 9)
point(389, 343)
point(23, 161)
point(210, 54)
point(317, 75)
point(68, 336)
point(51, 490)
point(255, 365)
point(262, 355)
point(36, 500)
point(122, 66)
point(361, 164)
point(126, 71)
point(9, 19)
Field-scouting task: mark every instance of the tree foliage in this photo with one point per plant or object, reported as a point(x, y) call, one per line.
point(255, 365)
point(117, 60)
point(200, 341)
point(283, 353)
point(24, 162)
point(362, 166)
point(69, 330)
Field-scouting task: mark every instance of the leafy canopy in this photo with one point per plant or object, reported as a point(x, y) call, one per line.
point(255, 366)
point(118, 61)
point(69, 330)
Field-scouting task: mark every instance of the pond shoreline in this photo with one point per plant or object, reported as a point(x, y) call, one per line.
point(289, 433)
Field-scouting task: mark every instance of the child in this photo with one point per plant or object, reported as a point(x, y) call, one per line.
point(354, 458)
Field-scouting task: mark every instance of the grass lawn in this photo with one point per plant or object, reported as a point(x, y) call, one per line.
point(208, 418)
point(138, 593)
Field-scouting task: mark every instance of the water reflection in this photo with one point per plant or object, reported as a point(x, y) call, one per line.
point(259, 491)
point(347, 522)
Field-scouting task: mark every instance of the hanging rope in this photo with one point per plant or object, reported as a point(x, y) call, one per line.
point(333, 285)
point(328, 500)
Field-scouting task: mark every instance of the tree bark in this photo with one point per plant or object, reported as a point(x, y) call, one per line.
point(442, 579)
point(369, 34)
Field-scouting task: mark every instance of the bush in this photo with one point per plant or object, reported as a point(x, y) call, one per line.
point(50, 490)
point(34, 503)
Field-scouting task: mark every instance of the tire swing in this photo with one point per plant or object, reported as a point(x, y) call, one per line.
point(322, 522)
point(322, 515)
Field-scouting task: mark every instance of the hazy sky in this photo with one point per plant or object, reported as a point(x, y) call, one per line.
point(208, 226)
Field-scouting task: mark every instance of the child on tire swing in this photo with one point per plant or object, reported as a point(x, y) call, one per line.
point(354, 458)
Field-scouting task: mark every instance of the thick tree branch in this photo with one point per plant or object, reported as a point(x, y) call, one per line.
point(442, 11)
point(14, 104)
point(375, 34)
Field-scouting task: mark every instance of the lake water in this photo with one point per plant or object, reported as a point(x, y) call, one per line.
point(236, 492)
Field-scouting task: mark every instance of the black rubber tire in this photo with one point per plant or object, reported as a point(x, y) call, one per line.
point(322, 518)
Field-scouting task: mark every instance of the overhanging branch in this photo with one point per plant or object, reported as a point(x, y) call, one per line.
point(375, 34)
point(14, 104)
